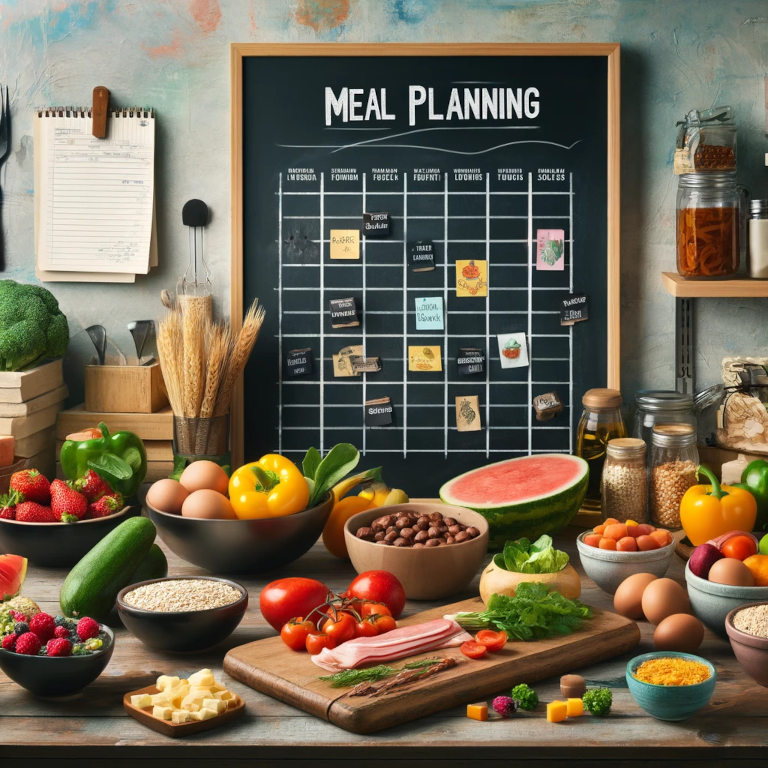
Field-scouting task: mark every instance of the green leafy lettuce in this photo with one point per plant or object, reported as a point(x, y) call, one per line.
point(523, 557)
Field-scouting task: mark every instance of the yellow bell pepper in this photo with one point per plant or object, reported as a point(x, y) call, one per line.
point(273, 486)
point(707, 511)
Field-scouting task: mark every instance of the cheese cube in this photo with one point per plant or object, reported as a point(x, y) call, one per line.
point(217, 705)
point(575, 707)
point(7, 450)
point(203, 677)
point(166, 681)
point(162, 713)
point(204, 714)
point(557, 711)
point(477, 711)
point(141, 700)
point(180, 716)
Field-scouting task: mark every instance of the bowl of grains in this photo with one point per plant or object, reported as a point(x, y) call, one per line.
point(670, 685)
point(182, 614)
point(434, 549)
point(747, 628)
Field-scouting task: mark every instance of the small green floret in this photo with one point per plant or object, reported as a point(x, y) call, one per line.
point(525, 696)
point(598, 701)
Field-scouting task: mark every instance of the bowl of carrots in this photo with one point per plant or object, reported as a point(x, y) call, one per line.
point(613, 550)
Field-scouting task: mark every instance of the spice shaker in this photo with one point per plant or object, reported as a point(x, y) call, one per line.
point(600, 422)
point(623, 486)
point(674, 458)
point(758, 238)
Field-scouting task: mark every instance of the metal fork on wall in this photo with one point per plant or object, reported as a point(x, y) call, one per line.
point(5, 150)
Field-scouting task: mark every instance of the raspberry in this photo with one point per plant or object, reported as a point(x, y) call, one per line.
point(9, 642)
point(61, 632)
point(28, 643)
point(18, 615)
point(87, 628)
point(42, 625)
point(59, 646)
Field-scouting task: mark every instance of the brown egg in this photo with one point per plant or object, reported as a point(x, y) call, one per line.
point(662, 598)
point(628, 598)
point(208, 504)
point(731, 571)
point(678, 632)
point(167, 495)
point(204, 474)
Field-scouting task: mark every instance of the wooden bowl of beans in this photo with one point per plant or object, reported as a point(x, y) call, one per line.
point(434, 549)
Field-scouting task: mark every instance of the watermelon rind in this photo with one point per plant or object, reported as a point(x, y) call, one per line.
point(530, 517)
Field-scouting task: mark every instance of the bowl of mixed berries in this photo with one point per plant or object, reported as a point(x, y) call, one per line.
point(54, 523)
point(51, 655)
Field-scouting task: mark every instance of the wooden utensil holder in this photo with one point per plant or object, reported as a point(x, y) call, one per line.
point(125, 388)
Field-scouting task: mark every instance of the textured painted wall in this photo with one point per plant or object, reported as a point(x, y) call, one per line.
point(174, 55)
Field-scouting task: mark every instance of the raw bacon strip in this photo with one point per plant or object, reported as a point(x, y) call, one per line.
point(400, 642)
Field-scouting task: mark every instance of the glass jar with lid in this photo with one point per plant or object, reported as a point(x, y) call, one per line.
point(600, 422)
point(708, 231)
point(758, 238)
point(674, 458)
point(661, 406)
point(623, 485)
point(706, 141)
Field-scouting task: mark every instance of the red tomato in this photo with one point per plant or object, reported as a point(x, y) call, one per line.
point(283, 599)
point(316, 641)
point(739, 547)
point(366, 628)
point(379, 587)
point(383, 623)
point(473, 649)
point(493, 641)
point(340, 627)
point(373, 609)
point(294, 633)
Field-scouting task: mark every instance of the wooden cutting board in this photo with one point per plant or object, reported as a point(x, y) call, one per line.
point(270, 667)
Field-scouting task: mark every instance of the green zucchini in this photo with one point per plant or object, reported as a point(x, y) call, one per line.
point(91, 587)
point(153, 566)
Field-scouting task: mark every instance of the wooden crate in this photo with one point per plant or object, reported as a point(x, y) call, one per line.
point(124, 388)
point(148, 426)
point(21, 386)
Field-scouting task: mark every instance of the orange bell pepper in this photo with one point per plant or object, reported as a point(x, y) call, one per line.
point(273, 486)
point(707, 511)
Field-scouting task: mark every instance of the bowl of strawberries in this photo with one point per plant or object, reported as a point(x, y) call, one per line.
point(54, 523)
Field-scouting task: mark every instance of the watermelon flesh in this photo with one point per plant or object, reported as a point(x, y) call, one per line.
point(528, 496)
point(13, 569)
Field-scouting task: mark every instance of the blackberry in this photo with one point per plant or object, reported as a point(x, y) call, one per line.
point(60, 621)
point(20, 627)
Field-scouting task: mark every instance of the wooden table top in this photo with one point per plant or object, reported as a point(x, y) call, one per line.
point(731, 730)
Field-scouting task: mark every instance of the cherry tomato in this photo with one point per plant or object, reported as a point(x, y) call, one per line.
point(383, 623)
point(473, 649)
point(739, 547)
point(379, 587)
point(283, 599)
point(373, 609)
point(316, 641)
point(340, 627)
point(366, 627)
point(294, 633)
point(493, 641)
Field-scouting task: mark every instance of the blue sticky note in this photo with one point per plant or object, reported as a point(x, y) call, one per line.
point(429, 313)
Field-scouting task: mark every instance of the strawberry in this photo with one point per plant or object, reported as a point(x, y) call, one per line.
point(92, 485)
point(8, 502)
point(107, 505)
point(31, 485)
point(67, 501)
point(32, 512)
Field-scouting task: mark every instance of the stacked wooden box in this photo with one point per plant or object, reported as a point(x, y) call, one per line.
point(30, 401)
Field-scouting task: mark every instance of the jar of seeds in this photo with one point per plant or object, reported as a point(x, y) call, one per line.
point(674, 459)
point(623, 485)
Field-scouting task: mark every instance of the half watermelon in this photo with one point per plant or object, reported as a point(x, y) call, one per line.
point(527, 497)
point(13, 569)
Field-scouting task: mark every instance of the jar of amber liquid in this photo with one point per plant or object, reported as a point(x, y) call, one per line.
point(708, 224)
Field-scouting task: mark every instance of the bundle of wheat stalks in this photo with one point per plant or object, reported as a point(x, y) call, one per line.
point(201, 360)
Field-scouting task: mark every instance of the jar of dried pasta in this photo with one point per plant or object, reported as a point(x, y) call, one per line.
point(623, 483)
point(674, 458)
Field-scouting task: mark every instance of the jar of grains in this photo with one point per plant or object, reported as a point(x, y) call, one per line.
point(661, 406)
point(674, 459)
point(623, 485)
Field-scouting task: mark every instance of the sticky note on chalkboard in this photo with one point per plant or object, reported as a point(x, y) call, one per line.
point(342, 361)
point(376, 224)
point(345, 243)
point(550, 249)
point(378, 412)
point(468, 413)
point(471, 277)
point(429, 313)
point(421, 255)
point(574, 309)
point(424, 358)
point(513, 350)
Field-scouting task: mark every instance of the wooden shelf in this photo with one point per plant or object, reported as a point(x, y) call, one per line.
point(688, 288)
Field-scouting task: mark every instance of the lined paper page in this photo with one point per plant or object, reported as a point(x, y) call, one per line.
point(95, 196)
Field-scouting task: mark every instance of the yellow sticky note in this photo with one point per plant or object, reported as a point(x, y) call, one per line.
point(345, 243)
point(424, 358)
point(471, 277)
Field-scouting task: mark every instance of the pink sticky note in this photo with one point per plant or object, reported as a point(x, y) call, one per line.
point(550, 249)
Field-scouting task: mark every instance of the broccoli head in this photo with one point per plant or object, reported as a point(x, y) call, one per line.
point(525, 696)
point(598, 701)
point(32, 327)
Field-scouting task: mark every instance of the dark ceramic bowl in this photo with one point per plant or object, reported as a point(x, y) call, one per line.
point(242, 546)
point(182, 630)
point(750, 650)
point(49, 676)
point(58, 545)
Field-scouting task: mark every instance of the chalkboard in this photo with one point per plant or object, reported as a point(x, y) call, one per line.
point(460, 194)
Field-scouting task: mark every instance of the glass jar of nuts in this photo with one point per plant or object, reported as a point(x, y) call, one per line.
point(623, 490)
point(674, 459)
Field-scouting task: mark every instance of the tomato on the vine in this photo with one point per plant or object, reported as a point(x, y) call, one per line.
point(316, 641)
point(366, 627)
point(366, 609)
point(383, 623)
point(473, 649)
point(340, 626)
point(493, 641)
point(379, 587)
point(294, 633)
point(283, 599)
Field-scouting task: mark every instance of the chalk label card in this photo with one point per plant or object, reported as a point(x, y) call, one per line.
point(344, 312)
point(421, 255)
point(513, 350)
point(574, 309)
point(299, 362)
point(468, 413)
point(550, 250)
point(345, 244)
point(429, 313)
point(342, 361)
point(547, 406)
point(365, 364)
point(424, 358)
point(376, 224)
point(471, 277)
point(471, 360)
point(378, 412)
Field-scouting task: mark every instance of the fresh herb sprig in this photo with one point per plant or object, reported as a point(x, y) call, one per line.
point(349, 677)
point(322, 473)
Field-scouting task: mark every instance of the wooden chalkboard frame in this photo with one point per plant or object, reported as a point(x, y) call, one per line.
point(610, 51)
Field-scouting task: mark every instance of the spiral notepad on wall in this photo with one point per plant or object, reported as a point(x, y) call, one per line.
point(94, 198)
